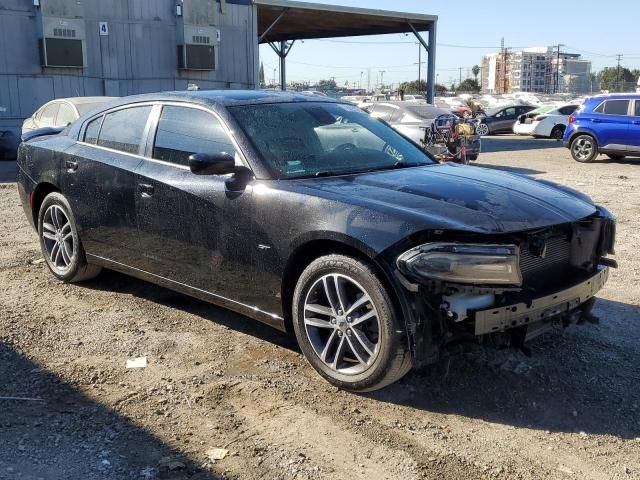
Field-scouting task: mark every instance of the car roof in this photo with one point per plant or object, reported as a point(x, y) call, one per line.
point(83, 100)
point(619, 96)
point(227, 97)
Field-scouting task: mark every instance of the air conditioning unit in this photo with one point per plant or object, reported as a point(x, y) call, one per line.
point(198, 37)
point(63, 35)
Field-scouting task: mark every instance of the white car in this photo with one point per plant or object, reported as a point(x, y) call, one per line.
point(61, 112)
point(549, 121)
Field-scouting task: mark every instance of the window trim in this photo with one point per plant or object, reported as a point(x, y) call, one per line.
point(103, 114)
point(153, 130)
point(602, 104)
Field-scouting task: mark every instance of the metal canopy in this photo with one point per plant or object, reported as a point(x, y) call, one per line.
point(281, 21)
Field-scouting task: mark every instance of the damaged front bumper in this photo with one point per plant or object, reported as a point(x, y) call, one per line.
point(494, 320)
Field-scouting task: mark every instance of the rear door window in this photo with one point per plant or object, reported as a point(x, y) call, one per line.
point(66, 115)
point(637, 109)
point(614, 107)
point(568, 110)
point(123, 129)
point(92, 131)
point(49, 114)
point(183, 131)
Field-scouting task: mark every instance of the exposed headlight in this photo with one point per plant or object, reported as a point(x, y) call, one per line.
point(464, 263)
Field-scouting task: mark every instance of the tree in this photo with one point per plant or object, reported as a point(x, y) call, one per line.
point(413, 87)
point(261, 76)
point(469, 85)
point(440, 89)
point(327, 84)
point(476, 71)
point(614, 81)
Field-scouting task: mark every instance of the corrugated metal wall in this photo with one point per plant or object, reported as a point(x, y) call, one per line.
point(139, 55)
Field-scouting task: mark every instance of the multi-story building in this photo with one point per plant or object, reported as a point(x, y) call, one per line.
point(536, 70)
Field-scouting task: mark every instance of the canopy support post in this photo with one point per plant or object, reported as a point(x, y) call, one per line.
point(282, 51)
point(431, 52)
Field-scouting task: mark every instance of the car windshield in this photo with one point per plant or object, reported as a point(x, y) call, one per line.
point(312, 139)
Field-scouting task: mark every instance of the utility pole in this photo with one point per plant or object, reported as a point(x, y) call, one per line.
point(360, 84)
point(460, 79)
point(619, 57)
point(419, 67)
point(382, 72)
point(557, 82)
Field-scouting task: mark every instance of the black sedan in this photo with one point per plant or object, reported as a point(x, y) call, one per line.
point(501, 119)
point(377, 257)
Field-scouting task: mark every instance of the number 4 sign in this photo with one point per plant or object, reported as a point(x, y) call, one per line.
point(104, 28)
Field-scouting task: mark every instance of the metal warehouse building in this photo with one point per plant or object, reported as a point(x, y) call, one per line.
point(67, 48)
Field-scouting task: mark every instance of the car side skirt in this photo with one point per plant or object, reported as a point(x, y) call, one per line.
point(270, 319)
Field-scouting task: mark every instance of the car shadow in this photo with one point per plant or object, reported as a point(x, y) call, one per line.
point(50, 429)
point(112, 281)
point(506, 168)
point(623, 161)
point(512, 143)
point(584, 379)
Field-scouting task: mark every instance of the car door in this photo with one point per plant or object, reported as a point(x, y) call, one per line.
point(610, 121)
point(99, 181)
point(504, 120)
point(192, 229)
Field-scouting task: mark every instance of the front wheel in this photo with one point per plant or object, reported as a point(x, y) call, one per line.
point(584, 149)
point(60, 243)
point(482, 129)
point(346, 325)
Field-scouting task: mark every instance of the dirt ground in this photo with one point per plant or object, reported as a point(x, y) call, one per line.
point(218, 380)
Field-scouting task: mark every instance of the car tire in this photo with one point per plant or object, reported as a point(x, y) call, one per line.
point(482, 129)
point(472, 158)
point(558, 132)
point(350, 353)
point(615, 157)
point(584, 148)
point(59, 241)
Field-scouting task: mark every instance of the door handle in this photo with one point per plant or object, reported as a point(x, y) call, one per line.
point(596, 120)
point(146, 190)
point(636, 122)
point(71, 165)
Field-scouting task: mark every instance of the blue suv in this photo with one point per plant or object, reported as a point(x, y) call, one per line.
point(608, 124)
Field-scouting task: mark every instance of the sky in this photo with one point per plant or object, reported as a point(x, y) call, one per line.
point(467, 29)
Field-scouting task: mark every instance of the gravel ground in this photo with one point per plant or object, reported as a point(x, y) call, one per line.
point(219, 380)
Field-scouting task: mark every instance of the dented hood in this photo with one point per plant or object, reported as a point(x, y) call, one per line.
point(456, 197)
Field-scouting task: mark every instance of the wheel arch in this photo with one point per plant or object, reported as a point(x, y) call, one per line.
point(588, 133)
point(37, 197)
point(312, 249)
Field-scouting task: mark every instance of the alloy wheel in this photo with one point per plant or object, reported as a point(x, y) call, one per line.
point(583, 148)
point(342, 324)
point(57, 237)
point(482, 129)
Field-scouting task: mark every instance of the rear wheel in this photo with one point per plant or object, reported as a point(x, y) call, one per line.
point(584, 149)
point(482, 129)
point(615, 157)
point(346, 325)
point(61, 247)
point(558, 132)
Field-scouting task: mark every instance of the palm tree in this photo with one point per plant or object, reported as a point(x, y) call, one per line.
point(475, 70)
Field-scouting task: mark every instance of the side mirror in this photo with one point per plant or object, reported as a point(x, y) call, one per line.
point(212, 163)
